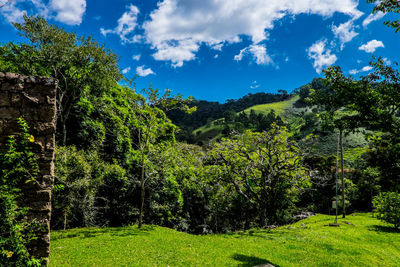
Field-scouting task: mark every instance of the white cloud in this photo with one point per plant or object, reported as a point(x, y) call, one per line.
point(177, 28)
point(126, 70)
point(142, 71)
point(345, 32)
point(216, 56)
point(136, 57)
point(127, 24)
point(373, 17)
point(366, 68)
point(353, 71)
point(254, 85)
point(68, 11)
point(15, 10)
point(363, 69)
point(371, 46)
point(259, 53)
point(321, 55)
point(12, 13)
point(387, 61)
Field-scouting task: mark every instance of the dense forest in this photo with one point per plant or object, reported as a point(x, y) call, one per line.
point(125, 157)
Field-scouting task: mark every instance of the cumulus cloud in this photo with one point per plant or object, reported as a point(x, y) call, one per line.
point(259, 53)
point(136, 57)
point(14, 10)
point(363, 69)
point(126, 70)
point(321, 55)
point(344, 32)
point(177, 29)
point(127, 24)
point(371, 46)
point(66, 11)
point(373, 17)
point(12, 13)
point(143, 71)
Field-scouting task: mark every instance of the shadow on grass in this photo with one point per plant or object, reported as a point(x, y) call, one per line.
point(382, 228)
point(252, 261)
point(93, 232)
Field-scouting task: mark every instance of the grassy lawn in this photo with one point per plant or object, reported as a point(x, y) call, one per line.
point(364, 242)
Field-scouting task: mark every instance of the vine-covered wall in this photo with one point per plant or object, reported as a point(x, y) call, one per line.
point(34, 99)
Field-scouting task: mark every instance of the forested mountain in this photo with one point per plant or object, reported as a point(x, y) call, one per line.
point(209, 111)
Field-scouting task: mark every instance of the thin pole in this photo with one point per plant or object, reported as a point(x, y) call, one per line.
point(336, 177)
point(342, 174)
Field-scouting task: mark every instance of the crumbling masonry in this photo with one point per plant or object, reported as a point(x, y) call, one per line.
point(34, 99)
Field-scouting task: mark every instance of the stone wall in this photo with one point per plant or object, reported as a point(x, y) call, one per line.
point(34, 99)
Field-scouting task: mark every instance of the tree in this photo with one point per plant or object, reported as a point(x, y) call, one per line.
point(372, 102)
point(153, 126)
point(334, 99)
point(388, 207)
point(80, 64)
point(264, 168)
point(386, 6)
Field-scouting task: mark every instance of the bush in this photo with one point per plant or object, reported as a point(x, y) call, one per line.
point(388, 207)
point(18, 166)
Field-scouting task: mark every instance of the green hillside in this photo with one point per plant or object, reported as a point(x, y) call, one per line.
point(279, 107)
point(359, 241)
point(214, 129)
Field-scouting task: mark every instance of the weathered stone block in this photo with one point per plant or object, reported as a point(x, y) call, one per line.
point(16, 100)
point(9, 113)
point(4, 99)
point(47, 113)
point(44, 128)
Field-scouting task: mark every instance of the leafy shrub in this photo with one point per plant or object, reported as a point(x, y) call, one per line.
point(388, 207)
point(18, 166)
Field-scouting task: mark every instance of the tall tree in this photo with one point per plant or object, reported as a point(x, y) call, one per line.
point(153, 126)
point(264, 168)
point(79, 63)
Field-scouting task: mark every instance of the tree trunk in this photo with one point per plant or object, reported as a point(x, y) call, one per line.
point(342, 173)
point(142, 192)
point(64, 133)
point(263, 216)
point(65, 219)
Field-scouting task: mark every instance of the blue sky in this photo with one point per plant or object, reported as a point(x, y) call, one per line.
point(219, 49)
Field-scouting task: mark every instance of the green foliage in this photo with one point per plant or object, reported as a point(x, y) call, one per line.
point(81, 65)
point(18, 167)
point(386, 6)
point(77, 177)
point(388, 207)
point(278, 107)
point(264, 168)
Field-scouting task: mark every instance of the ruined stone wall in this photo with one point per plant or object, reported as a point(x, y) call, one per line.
point(34, 99)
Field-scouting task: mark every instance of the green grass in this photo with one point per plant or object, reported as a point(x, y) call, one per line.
point(367, 242)
point(278, 107)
